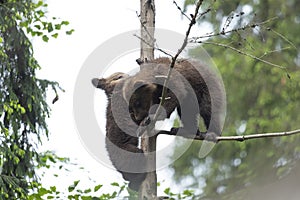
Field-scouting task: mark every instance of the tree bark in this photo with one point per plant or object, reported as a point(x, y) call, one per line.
point(148, 189)
point(147, 17)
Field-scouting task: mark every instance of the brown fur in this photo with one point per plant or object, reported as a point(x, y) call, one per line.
point(119, 144)
point(188, 92)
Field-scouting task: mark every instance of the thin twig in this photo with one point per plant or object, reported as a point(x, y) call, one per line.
point(204, 13)
point(274, 51)
point(181, 11)
point(284, 38)
point(194, 39)
point(243, 53)
point(228, 21)
point(155, 47)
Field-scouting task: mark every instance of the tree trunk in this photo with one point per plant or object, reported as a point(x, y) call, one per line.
point(148, 189)
point(147, 17)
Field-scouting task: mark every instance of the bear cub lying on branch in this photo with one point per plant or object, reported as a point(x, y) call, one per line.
point(193, 89)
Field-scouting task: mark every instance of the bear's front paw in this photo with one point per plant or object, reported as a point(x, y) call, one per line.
point(211, 136)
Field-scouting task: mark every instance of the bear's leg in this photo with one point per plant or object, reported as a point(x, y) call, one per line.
point(212, 126)
point(135, 162)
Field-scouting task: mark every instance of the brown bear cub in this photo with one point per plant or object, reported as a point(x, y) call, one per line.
point(193, 89)
point(121, 144)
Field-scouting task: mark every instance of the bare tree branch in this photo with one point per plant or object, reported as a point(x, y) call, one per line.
point(185, 42)
point(239, 138)
point(223, 32)
point(242, 138)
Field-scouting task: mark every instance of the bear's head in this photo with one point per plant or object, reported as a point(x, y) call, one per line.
point(141, 100)
point(141, 91)
point(108, 84)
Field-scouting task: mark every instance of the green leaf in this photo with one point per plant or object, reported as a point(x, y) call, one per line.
point(37, 26)
point(70, 32)
point(22, 109)
point(24, 24)
point(114, 194)
point(42, 191)
point(97, 187)
point(16, 160)
point(167, 191)
point(87, 191)
point(40, 13)
point(65, 23)
point(57, 26)
point(50, 27)
point(55, 35)
point(52, 159)
point(188, 193)
point(71, 188)
point(87, 198)
point(39, 3)
point(45, 38)
point(53, 188)
point(115, 184)
point(38, 33)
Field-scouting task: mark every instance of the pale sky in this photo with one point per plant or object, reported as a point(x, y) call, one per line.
point(94, 21)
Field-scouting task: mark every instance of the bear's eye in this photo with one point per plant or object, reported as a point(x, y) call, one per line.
point(118, 77)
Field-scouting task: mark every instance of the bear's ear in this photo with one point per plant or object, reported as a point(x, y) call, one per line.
point(139, 61)
point(98, 83)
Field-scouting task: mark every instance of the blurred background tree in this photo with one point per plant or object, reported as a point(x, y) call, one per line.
point(260, 98)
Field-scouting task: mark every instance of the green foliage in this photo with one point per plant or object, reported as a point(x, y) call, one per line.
point(75, 193)
point(185, 194)
point(260, 98)
point(23, 107)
